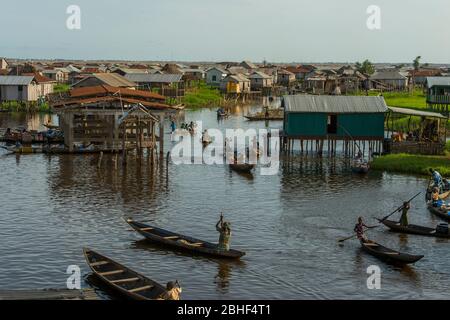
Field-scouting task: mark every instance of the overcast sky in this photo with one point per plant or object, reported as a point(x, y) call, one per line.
point(232, 30)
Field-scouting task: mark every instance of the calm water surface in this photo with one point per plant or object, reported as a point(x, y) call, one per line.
point(53, 206)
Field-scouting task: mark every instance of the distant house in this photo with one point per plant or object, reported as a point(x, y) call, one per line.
point(110, 79)
point(56, 75)
point(438, 92)
point(24, 88)
point(248, 65)
point(125, 71)
point(3, 64)
point(260, 80)
point(389, 79)
point(74, 72)
point(301, 72)
point(419, 77)
point(235, 83)
point(193, 74)
point(150, 81)
point(285, 78)
point(214, 76)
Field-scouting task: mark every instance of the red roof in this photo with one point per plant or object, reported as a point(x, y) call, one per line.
point(425, 73)
point(38, 77)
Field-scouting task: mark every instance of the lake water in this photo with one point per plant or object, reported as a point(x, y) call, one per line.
point(288, 224)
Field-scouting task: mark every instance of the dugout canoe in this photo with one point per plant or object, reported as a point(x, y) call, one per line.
point(389, 255)
point(443, 214)
point(413, 229)
point(181, 242)
point(244, 167)
point(122, 279)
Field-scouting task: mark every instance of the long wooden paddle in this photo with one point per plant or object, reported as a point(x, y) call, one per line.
point(399, 208)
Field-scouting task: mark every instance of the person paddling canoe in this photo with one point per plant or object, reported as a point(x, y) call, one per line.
point(224, 228)
point(404, 217)
point(359, 229)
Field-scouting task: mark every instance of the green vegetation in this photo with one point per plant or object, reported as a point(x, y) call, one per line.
point(202, 96)
point(366, 67)
point(61, 87)
point(447, 146)
point(17, 106)
point(414, 164)
point(411, 100)
point(416, 62)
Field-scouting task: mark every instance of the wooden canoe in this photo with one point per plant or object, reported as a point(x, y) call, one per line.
point(184, 243)
point(413, 229)
point(389, 255)
point(122, 279)
point(244, 167)
point(443, 214)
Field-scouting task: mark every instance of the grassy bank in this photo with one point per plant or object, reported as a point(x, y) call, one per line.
point(61, 87)
point(414, 164)
point(202, 96)
point(412, 100)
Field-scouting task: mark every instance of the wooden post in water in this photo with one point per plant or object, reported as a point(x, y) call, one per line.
point(99, 164)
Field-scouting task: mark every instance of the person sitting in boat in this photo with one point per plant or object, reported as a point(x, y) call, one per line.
point(404, 217)
point(437, 178)
point(224, 228)
point(173, 291)
point(437, 202)
point(359, 229)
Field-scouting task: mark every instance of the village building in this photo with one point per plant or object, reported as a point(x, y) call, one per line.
point(169, 85)
point(285, 78)
point(193, 74)
point(109, 79)
point(427, 135)
point(318, 120)
point(55, 74)
point(250, 66)
point(111, 119)
point(215, 75)
point(27, 88)
point(301, 72)
point(389, 80)
point(124, 71)
point(419, 77)
point(438, 93)
point(235, 84)
point(260, 80)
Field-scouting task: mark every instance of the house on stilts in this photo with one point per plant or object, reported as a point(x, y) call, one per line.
point(112, 119)
point(318, 123)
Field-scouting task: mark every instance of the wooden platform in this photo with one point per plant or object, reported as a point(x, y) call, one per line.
point(49, 294)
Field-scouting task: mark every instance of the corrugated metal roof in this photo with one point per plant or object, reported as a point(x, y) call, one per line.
point(334, 104)
point(388, 75)
point(156, 78)
point(438, 81)
point(413, 112)
point(15, 80)
point(114, 80)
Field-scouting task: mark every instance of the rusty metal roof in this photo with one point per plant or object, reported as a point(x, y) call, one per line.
point(154, 78)
point(334, 104)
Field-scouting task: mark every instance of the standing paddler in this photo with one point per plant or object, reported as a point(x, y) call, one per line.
point(404, 217)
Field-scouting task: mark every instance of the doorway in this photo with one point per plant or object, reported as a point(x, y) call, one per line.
point(332, 124)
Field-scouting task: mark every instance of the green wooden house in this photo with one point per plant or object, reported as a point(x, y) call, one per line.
point(333, 118)
point(438, 93)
